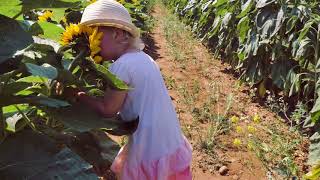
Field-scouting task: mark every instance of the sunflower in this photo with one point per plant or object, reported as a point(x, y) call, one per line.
point(91, 1)
point(94, 44)
point(45, 16)
point(74, 31)
point(121, 1)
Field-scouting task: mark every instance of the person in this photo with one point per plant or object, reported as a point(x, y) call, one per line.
point(157, 149)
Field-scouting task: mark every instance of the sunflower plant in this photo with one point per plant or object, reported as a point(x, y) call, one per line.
point(85, 37)
point(44, 46)
point(33, 109)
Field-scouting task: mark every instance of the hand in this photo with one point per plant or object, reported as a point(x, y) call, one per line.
point(72, 93)
point(58, 88)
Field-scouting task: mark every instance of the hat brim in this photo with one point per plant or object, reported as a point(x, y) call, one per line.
point(132, 29)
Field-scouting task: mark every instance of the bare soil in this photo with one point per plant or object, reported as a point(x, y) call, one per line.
point(202, 68)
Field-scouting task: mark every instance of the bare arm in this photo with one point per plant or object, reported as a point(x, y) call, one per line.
point(108, 106)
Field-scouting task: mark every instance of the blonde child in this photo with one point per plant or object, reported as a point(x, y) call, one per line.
point(158, 149)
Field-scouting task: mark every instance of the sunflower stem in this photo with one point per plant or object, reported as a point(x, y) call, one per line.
point(76, 60)
point(2, 125)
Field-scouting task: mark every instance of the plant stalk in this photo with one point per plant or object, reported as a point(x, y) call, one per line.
point(2, 125)
point(317, 63)
point(76, 60)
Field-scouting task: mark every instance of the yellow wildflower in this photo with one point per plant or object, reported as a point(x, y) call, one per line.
point(234, 119)
point(256, 118)
point(237, 142)
point(250, 145)
point(45, 16)
point(239, 129)
point(251, 129)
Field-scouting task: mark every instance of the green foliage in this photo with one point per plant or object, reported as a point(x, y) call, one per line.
point(13, 38)
point(314, 174)
point(29, 161)
point(31, 64)
point(265, 40)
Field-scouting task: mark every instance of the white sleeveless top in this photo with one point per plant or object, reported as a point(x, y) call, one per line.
point(158, 132)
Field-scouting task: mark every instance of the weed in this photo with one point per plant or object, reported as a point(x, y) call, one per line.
point(170, 82)
point(278, 153)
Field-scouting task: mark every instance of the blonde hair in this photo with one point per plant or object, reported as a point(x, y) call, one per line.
point(134, 42)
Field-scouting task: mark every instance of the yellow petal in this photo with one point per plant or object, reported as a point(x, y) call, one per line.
point(239, 129)
point(97, 59)
point(256, 118)
point(251, 129)
point(99, 35)
point(41, 19)
point(94, 44)
point(237, 142)
point(234, 119)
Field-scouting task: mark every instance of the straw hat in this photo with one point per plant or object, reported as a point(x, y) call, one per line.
point(109, 13)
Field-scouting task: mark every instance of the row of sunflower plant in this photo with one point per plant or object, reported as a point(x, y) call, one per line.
point(272, 44)
point(44, 50)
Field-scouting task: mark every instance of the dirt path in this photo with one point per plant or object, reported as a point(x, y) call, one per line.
point(206, 95)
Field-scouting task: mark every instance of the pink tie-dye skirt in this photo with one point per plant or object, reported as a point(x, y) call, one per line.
point(174, 166)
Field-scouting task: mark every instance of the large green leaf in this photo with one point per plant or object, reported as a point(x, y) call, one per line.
point(226, 19)
point(13, 38)
point(51, 31)
point(243, 28)
point(15, 87)
point(12, 123)
point(31, 27)
point(96, 147)
point(293, 83)
point(305, 45)
point(315, 111)
point(251, 47)
point(314, 174)
point(16, 122)
point(32, 79)
point(305, 30)
point(269, 22)
point(263, 3)
point(50, 45)
point(81, 118)
point(10, 111)
point(291, 24)
point(10, 8)
point(112, 80)
point(34, 100)
point(314, 149)
point(46, 70)
point(245, 8)
point(255, 71)
point(57, 6)
point(30, 155)
point(279, 71)
point(218, 3)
